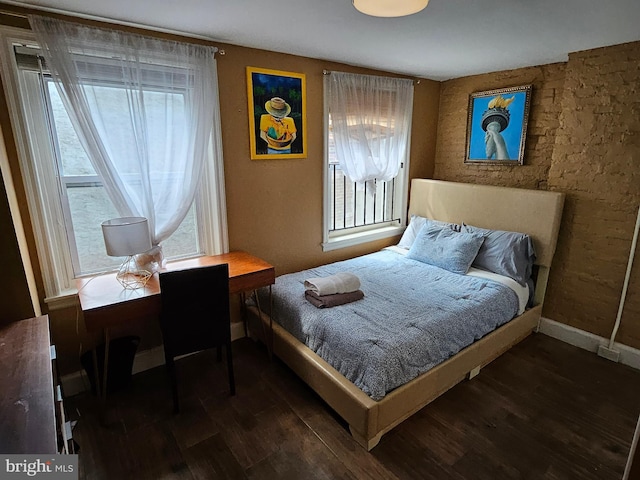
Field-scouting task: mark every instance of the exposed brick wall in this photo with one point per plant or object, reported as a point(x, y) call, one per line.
point(584, 140)
point(596, 163)
point(545, 109)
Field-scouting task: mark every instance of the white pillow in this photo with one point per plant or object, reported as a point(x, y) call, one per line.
point(409, 235)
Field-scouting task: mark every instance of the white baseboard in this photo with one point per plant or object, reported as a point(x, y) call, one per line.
point(588, 341)
point(77, 382)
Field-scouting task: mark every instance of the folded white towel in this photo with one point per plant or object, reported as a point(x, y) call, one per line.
point(339, 283)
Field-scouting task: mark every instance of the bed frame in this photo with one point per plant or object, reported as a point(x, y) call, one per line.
point(535, 212)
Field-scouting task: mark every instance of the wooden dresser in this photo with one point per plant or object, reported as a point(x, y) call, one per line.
point(27, 408)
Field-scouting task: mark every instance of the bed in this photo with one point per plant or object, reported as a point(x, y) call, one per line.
point(374, 401)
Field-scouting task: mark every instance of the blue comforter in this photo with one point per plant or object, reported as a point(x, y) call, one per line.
point(413, 317)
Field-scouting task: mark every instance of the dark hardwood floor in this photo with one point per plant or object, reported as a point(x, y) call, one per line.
point(543, 410)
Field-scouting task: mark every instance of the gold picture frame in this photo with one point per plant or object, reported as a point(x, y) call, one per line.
point(497, 126)
point(277, 114)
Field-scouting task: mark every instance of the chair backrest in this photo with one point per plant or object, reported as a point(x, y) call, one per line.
point(195, 309)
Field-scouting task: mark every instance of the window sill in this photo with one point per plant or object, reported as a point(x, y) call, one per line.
point(350, 240)
point(66, 299)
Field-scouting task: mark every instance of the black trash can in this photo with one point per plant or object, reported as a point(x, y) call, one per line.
point(121, 354)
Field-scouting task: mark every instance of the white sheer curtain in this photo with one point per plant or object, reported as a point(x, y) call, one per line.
point(371, 123)
point(144, 111)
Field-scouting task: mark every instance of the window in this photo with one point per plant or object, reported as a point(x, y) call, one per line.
point(83, 197)
point(357, 212)
point(67, 199)
point(354, 208)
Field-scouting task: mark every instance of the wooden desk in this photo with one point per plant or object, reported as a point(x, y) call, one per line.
point(106, 304)
point(27, 408)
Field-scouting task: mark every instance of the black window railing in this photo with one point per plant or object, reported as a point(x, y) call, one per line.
point(354, 206)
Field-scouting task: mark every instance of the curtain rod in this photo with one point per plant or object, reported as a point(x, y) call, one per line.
point(97, 18)
point(328, 72)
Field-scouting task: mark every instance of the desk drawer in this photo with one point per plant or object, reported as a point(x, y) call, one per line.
point(252, 281)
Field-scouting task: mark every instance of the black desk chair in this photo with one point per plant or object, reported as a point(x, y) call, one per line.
point(195, 316)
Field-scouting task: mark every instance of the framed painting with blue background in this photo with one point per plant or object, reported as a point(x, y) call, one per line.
point(497, 126)
point(277, 109)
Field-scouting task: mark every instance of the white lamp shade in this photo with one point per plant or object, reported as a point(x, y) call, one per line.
point(390, 8)
point(126, 236)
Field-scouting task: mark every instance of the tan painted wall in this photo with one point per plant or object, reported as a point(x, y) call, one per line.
point(584, 140)
point(15, 301)
point(274, 207)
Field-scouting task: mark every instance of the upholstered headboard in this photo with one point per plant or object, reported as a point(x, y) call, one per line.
point(534, 212)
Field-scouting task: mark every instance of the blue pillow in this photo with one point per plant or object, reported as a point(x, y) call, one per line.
point(506, 253)
point(415, 224)
point(445, 248)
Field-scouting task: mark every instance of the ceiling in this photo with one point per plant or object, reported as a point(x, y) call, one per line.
point(449, 39)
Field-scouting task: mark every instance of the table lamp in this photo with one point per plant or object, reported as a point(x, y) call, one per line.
point(128, 236)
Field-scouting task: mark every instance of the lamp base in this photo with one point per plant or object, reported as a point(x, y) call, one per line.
point(131, 276)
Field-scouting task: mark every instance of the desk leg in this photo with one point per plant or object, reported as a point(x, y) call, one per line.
point(270, 321)
point(267, 341)
point(243, 312)
point(107, 340)
point(101, 384)
point(96, 374)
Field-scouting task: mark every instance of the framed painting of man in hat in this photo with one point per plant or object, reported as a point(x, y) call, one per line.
point(277, 109)
point(497, 126)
